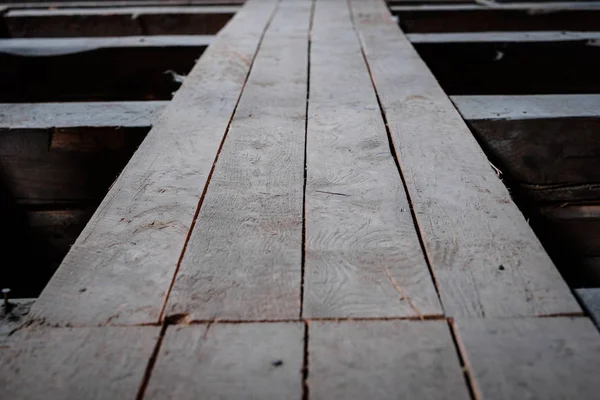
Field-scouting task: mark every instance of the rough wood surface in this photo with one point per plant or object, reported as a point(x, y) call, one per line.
point(363, 257)
point(485, 257)
point(12, 320)
point(80, 363)
point(121, 267)
point(243, 260)
point(383, 360)
point(70, 115)
point(590, 297)
point(229, 361)
point(503, 37)
point(62, 46)
point(540, 358)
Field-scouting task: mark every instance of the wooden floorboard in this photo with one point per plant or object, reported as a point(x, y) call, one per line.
point(78, 363)
point(486, 259)
point(383, 360)
point(121, 267)
point(543, 358)
point(244, 257)
point(363, 257)
point(229, 361)
point(504, 37)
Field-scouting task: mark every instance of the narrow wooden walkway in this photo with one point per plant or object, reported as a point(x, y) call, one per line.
point(309, 218)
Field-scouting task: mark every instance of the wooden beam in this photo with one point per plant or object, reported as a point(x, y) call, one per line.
point(126, 114)
point(382, 360)
point(591, 38)
point(363, 257)
point(229, 361)
point(34, 4)
point(244, 257)
point(79, 363)
point(133, 243)
point(530, 358)
point(135, 11)
point(486, 259)
point(590, 297)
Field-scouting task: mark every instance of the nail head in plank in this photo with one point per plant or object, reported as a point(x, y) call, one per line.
point(229, 361)
point(537, 358)
point(76, 363)
point(590, 297)
point(485, 257)
point(71, 115)
point(244, 257)
point(383, 360)
point(133, 242)
point(363, 257)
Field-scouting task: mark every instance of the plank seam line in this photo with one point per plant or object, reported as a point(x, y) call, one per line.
point(212, 169)
point(305, 387)
point(395, 157)
point(303, 257)
point(151, 363)
point(464, 364)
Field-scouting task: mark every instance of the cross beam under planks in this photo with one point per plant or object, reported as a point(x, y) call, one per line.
point(309, 172)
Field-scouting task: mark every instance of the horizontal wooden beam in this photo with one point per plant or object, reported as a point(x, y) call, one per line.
point(34, 4)
point(135, 11)
point(501, 37)
point(62, 46)
point(547, 7)
point(72, 115)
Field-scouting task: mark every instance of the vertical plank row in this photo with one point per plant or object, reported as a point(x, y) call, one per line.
point(363, 257)
point(121, 267)
point(244, 258)
point(486, 259)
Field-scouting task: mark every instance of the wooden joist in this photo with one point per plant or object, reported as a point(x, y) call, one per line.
point(590, 38)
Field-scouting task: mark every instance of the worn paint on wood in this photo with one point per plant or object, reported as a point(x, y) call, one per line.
point(485, 257)
point(363, 257)
point(541, 358)
point(383, 360)
point(243, 260)
point(229, 361)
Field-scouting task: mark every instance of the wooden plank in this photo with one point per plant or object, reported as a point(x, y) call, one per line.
point(363, 257)
point(502, 37)
point(230, 361)
point(383, 360)
point(244, 258)
point(126, 256)
point(539, 358)
point(485, 257)
point(590, 297)
point(11, 321)
point(80, 363)
point(137, 11)
point(125, 114)
point(63, 46)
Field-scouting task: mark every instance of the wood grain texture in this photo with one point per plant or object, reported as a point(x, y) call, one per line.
point(70, 115)
point(383, 360)
point(485, 257)
point(363, 257)
point(243, 260)
point(126, 256)
point(229, 361)
point(540, 358)
point(80, 363)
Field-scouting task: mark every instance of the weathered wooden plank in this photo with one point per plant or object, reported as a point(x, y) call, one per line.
point(539, 358)
point(126, 256)
point(80, 363)
point(485, 257)
point(590, 298)
point(383, 360)
point(13, 319)
point(137, 11)
point(230, 361)
point(363, 257)
point(126, 114)
point(244, 257)
point(35, 4)
point(502, 37)
point(63, 46)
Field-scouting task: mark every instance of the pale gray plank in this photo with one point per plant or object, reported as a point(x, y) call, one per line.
point(134, 11)
point(9, 322)
point(383, 360)
point(243, 259)
point(590, 297)
point(538, 358)
point(122, 265)
point(363, 257)
point(78, 363)
point(73, 115)
point(63, 46)
point(491, 6)
point(502, 37)
point(230, 361)
point(527, 107)
point(486, 258)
